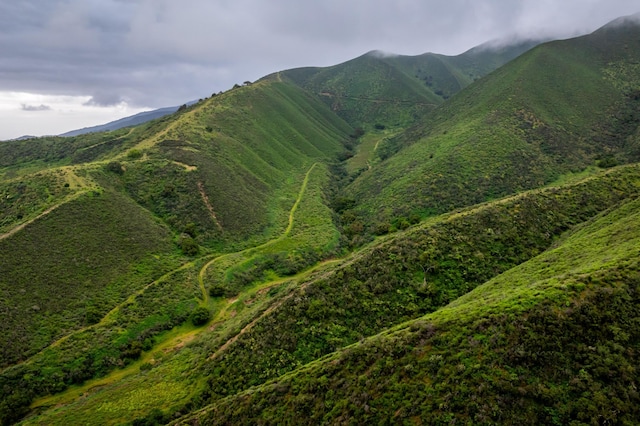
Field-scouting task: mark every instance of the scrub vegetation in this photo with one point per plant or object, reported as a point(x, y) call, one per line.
point(415, 240)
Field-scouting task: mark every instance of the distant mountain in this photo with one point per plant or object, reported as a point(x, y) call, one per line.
point(21, 138)
point(392, 240)
point(558, 108)
point(130, 121)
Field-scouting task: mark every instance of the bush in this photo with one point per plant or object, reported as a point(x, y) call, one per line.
point(200, 316)
point(115, 167)
point(134, 154)
point(189, 246)
point(217, 290)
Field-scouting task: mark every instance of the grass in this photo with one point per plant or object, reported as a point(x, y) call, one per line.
point(519, 128)
point(49, 297)
point(403, 277)
point(302, 221)
point(520, 307)
point(511, 350)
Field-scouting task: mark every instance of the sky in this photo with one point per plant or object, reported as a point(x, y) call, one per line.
point(68, 64)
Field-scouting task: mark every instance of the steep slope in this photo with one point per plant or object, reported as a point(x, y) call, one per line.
point(553, 341)
point(216, 165)
point(522, 126)
point(398, 278)
point(394, 90)
point(104, 235)
point(58, 274)
point(447, 75)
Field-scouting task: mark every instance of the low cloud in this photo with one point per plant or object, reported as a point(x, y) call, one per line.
point(155, 53)
point(104, 99)
point(40, 107)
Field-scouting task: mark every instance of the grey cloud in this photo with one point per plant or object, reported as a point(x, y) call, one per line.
point(40, 107)
point(161, 52)
point(104, 99)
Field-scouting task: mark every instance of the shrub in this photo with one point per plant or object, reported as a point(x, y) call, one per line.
point(115, 167)
point(134, 154)
point(189, 246)
point(217, 290)
point(200, 316)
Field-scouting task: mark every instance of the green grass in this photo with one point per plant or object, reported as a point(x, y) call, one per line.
point(537, 344)
point(521, 127)
point(407, 275)
point(59, 268)
point(490, 309)
point(166, 302)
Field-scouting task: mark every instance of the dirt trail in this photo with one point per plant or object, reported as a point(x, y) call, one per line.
point(44, 213)
point(203, 271)
point(205, 199)
point(277, 304)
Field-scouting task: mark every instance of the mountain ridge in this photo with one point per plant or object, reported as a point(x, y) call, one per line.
point(339, 244)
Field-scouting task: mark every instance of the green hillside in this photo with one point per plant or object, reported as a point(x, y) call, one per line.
point(104, 234)
point(553, 341)
point(395, 90)
point(400, 278)
point(392, 240)
point(523, 126)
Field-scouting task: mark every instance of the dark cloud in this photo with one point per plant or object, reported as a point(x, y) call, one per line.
point(40, 107)
point(104, 99)
point(161, 52)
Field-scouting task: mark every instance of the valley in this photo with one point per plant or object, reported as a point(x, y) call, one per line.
point(395, 239)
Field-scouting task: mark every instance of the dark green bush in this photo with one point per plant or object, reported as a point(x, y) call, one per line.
point(200, 316)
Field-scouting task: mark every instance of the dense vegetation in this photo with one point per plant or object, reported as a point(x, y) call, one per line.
point(389, 240)
point(519, 128)
point(554, 341)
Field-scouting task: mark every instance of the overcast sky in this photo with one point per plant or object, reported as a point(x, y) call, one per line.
point(67, 64)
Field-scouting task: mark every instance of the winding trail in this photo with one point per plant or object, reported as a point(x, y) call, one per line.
point(292, 212)
point(83, 186)
point(181, 338)
point(44, 213)
point(277, 304)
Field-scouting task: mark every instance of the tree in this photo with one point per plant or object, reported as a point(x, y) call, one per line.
point(200, 316)
point(189, 246)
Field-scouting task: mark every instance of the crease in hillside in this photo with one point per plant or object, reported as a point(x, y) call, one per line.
point(207, 203)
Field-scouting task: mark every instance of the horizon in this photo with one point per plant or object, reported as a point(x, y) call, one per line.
point(74, 66)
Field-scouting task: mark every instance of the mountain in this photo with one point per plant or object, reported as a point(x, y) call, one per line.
point(130, 121)
point(522, 126)
point(396, 90)
point(322, 246)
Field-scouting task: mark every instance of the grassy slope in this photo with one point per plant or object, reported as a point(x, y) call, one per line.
point(60, 270)
point(367, 90)
point(447, 75)
point(397, 90)
point(399, 278)
point(518, 128)
point(551, 341)
point(226, 170)
point(238, 149)
point(117, 396)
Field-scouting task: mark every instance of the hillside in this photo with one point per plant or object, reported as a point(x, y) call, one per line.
point(552, 341)
point(419, 240)
point(523, 126)
point(91, 224)
point(395, 90)
point(280, 334)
